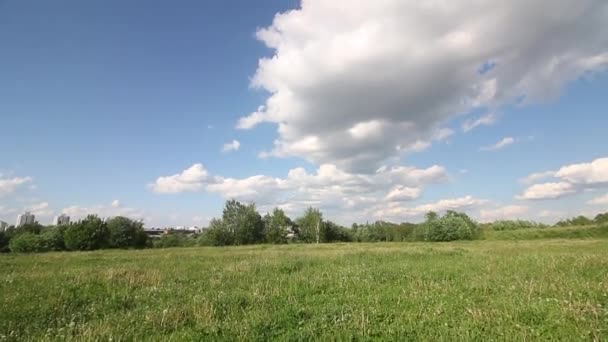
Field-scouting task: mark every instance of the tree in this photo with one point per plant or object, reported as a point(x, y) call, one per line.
point(431, 216)
point(216, 235)
point(124, 233)
point(88, 234)
point(311, 227)
point(243, 222)
point(452, 226)
point(52, 238)
point(601, 218)
point(276, 226)
point(4, 241)
point(27, 242)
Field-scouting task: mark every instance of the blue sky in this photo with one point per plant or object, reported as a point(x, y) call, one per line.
point(104, 105)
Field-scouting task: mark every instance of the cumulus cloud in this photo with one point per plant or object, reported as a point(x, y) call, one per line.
point(350, 80)
point(571, 179)
point(113, 209)
point(535, 177)
point(509, 212)
point(397, 212)
point(232, 146)
point(9, 185)
point(486, 120)
point(42, 209)
point(599, 200)
point(499, 145)
point(329, 187)
point(192, 179)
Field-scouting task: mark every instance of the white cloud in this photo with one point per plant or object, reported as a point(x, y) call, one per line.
point(548, 191)
point(115, 208)
point(191, 179)
point(232, 146)
point(403, 193)
point(41, 210)
point(486, 120)
point(328, 188)
point(572, 179)
point(350, 80)
point(510, 212)
point(535, 177)
point(9, 185)
point(397, 212)
point(593, 173)
point(499, 145)
point(599, 200)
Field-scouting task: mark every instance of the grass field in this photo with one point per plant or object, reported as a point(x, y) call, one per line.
point(549, 289)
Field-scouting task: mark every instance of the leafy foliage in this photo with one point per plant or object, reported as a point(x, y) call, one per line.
point(27, 242)
point(86, 235)
point(451, 227)
point(124, 233)
point(277, 226)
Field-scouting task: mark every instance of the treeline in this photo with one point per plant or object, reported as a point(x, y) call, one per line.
point(242, 224)
point(88, 234)
point(523, 224)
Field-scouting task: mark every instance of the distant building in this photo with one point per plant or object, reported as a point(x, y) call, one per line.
point(61, 220)
point(3, 226)
point(25, 218)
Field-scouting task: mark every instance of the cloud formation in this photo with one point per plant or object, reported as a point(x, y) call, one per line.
point(499, 145)
point(9, 185)
point(232, 146)
point(601, 200)
point(570, 179)
point(350, 81)
point(329, 187)
point(509, 212)
point(486, 120)
point(115, 208)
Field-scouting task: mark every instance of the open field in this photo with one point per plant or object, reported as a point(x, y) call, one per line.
point(481, 290)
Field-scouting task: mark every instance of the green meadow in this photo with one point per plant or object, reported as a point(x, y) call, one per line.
point(513, 285)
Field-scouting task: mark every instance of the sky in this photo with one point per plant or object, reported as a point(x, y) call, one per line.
point(380, 110)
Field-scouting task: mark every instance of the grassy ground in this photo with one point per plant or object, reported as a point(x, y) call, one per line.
point(586, 232)
point(550, 289)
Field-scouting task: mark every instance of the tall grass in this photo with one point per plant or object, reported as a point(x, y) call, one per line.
point(475, 290)
point(580, 232)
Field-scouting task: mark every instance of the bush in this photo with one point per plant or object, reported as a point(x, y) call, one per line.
point(174, 240)
point(451, 227)
point(27, 243)
point(4, 241)
point(515, 224)
point(124, 233)
point(86, 235)
point(52, 239)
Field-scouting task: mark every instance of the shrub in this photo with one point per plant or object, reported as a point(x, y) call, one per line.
point(174, 240)
point(124, 233)
point(4, 241)
point(52, 239)
point(86, 235)
point(27, 243)
point(451, 227)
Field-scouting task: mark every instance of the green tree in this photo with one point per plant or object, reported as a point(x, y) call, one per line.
point(216, 235)
point(52, 238)
point(243, 223)
point(27, 242)
point(124, 233)
point(4, 241)
point(276, 226)
point(601, 218)
point(88, 234)
point(311, 227)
